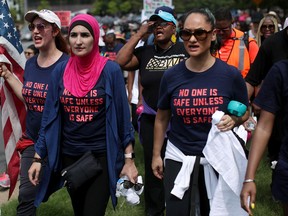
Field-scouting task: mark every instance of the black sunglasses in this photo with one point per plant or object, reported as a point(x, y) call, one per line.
point(270, 27)
point(39, 26)
point(128, 184)
point(199, 34)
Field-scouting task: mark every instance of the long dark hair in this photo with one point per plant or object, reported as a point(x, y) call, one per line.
point(60, 41)
point(209, 18)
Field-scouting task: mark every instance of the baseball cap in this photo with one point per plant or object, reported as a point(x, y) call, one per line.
point(165, 13)
point(44, 14)
point(120, 36)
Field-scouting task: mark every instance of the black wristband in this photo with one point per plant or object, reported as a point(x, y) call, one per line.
point(37, 160)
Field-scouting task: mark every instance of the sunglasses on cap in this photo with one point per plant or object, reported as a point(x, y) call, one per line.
point(128, 184)
point(39, 26)
point(269, 27)
point(199, 34)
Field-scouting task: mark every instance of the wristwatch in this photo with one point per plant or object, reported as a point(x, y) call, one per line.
point(129, 155)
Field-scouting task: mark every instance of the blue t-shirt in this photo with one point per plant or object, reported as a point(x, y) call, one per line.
point(84, 127)
point(273, 98)
point(193, 98)
point(34, 91)
point(111, 53)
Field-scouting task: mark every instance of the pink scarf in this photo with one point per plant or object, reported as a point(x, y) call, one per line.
point(82, 73)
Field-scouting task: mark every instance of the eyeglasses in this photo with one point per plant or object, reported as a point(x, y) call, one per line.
point(128, 184)
point(218, 30)
point(39, 26)
point(162, 24)
point(199, 34)
point(269, 27)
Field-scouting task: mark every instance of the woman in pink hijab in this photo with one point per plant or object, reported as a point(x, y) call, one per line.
point(86, 110)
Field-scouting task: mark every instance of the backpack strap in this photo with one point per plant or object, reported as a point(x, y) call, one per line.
point(245, 38)
point(244, 44)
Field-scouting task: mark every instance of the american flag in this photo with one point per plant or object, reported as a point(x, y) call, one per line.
point(13, 110)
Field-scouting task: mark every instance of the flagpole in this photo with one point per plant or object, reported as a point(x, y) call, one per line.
point(25, 8)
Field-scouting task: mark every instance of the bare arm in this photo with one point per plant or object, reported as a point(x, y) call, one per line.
point(12, 80)
point(140, 89)
point(161, 123)
point(130, 81)
point(125, 57)
point(129, 168)
point(258, 146)
point(250, 90)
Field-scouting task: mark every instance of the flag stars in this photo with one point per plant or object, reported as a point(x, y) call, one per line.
point(8, 30)
point(9, 35)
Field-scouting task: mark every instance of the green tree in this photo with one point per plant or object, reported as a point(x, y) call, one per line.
point(99, 7)
point(125, 7)
point(44, 4)
point(112, 8)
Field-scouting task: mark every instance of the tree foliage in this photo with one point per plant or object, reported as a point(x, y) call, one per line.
point(44, 4)
point(117, 7)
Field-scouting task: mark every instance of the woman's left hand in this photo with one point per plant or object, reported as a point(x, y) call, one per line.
point(226, 123)
point(130, 170)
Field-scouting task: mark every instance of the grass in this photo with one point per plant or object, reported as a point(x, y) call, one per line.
point(59, 203)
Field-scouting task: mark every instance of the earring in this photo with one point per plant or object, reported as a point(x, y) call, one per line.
point(173, 38)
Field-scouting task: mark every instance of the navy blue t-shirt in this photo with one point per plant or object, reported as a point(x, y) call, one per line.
point(111, 54)
point(34, 91)
point(84, 120)
point(193, 98)
point(273, 98)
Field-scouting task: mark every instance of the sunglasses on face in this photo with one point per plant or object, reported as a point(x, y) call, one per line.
point(162, 24)
point(39, 26)
point(224, 30)
point(128, 184)
point(269, 27)
point(199, 34)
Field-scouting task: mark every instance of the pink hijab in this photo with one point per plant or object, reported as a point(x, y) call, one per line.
point(82, 73)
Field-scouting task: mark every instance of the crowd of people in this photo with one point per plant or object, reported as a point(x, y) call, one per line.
point(168, 81)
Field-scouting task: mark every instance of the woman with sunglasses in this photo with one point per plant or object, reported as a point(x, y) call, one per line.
point(45, 27)
point(86, 110)
point(152, 61)
point(190, 93)
point(267, 27)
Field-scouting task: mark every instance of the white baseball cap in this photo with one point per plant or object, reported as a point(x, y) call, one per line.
point(44, 14)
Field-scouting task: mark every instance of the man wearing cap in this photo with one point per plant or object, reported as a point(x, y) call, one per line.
point(152, 61)
point(111, 47)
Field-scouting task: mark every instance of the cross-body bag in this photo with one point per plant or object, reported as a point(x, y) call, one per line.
point(84, 169)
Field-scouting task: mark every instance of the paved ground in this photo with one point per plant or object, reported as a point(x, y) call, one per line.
point(4, 195)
